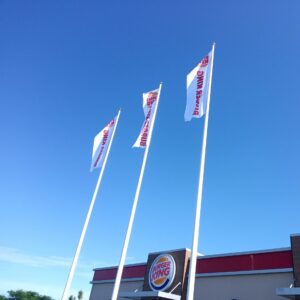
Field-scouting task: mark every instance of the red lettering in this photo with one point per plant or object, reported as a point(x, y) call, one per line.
point(145, 130)
point(204, 61)
point(105, 136)
point(104, 140)
point(199, 91)
point(111, 124)
point(166, 271)
point(200, 78)
point(151, 98)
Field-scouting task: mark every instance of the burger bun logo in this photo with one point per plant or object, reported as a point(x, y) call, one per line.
point(162, 272)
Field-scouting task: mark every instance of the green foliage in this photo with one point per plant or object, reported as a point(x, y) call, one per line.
point(25, 295)
point(80, 295)
point(30, 295)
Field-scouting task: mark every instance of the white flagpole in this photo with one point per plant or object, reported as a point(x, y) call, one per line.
point(77, 253)
point(133, 209)
point(194, 253)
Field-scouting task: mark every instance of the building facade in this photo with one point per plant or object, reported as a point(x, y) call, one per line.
point(260, 275)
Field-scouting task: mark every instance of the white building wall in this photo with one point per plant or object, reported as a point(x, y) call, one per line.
point(103, 291)
point(214, 287)
point(241, 287)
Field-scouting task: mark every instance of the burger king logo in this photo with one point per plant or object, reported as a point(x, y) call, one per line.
point(162, 272)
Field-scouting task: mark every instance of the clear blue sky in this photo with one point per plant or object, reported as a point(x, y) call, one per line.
point(65, 69)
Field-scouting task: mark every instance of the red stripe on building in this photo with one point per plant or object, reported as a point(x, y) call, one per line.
point(128, 272)
point(246, 262)
point(230, 263)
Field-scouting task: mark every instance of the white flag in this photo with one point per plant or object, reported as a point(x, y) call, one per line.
point(149, 104)
point(101, 142)
point(197, 84)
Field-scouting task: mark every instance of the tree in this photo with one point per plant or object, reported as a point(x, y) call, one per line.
point(80, 295)
point(26, 295)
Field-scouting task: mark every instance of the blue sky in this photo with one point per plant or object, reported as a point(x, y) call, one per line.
point(66, 67)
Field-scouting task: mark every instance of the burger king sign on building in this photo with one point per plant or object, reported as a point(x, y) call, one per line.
point(162, 272)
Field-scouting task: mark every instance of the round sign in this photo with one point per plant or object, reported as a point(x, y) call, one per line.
point(162, 272)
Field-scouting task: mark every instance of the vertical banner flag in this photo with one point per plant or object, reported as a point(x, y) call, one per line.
point(198, 103)
point(101, 142)
point(149, 104)
point(197, 82)
point(102, 145)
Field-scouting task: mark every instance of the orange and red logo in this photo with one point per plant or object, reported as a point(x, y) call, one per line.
point(162, 272)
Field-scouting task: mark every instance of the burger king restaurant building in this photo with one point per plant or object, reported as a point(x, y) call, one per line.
point(260, 275)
